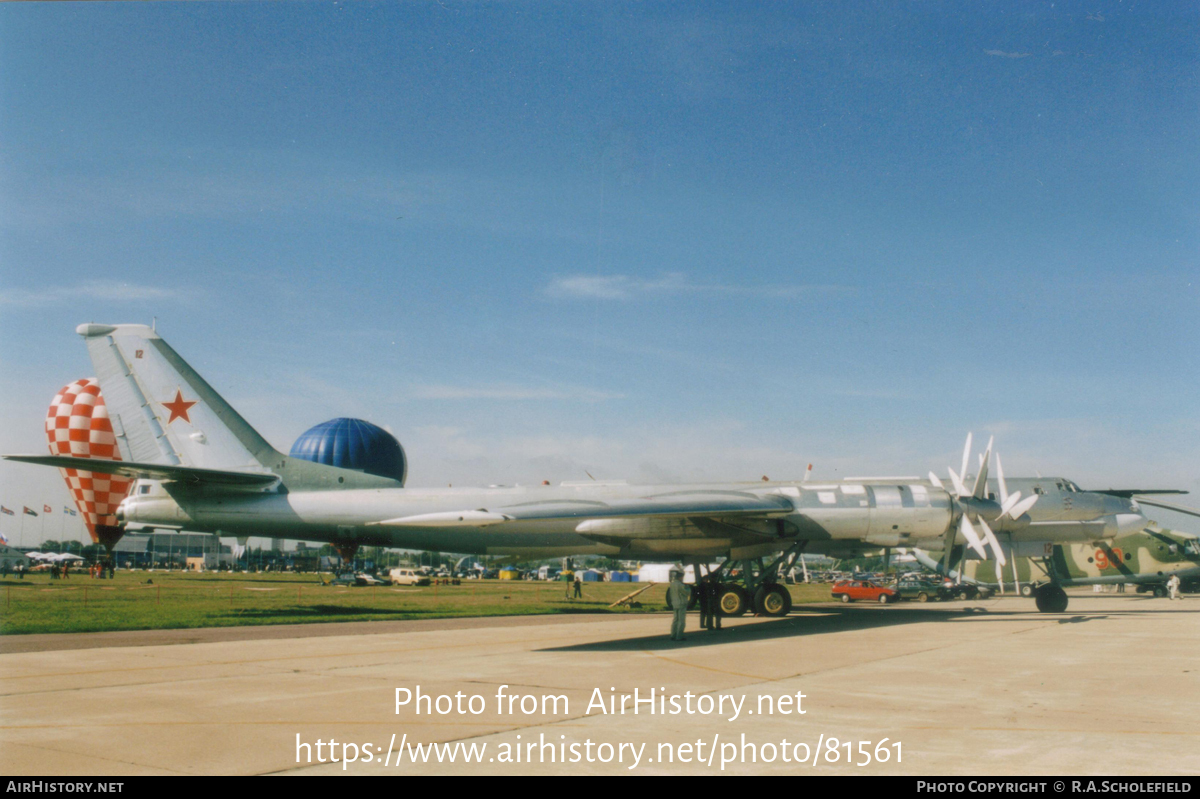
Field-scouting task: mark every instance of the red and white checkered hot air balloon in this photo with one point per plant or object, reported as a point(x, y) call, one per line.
point(77, 424)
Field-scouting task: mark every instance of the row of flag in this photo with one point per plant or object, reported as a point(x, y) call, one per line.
point(30, 512)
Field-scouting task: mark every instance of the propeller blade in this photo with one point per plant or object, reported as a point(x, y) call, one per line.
point(968, 531)
point(948, 558)
point(933, 478)
point(1008, 504)
point(966, 461)
point(1019, 509)
point(980, 488)
point(993, 543)
point(959, 488)
point(1000, 480)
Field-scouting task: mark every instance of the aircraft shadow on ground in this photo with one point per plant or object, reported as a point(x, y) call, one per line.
point(835, 619)
point(311, 611)
point(307, 611)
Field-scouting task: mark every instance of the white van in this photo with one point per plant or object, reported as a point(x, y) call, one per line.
point(406, 576)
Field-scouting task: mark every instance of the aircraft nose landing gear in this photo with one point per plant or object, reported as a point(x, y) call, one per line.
point(1050, 598)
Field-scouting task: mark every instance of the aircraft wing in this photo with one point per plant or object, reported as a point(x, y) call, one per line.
point(152, 471)
point(1127, 493)
point(683, 504)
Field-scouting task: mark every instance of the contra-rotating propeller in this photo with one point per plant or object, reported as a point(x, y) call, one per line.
point(973, 507)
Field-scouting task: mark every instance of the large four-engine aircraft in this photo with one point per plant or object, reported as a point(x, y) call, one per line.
point(199, 465)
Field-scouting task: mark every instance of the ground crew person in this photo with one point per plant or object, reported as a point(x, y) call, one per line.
point(679, 595)
point(578, 585)
point(1173, 587)
point(705, 603)
point(714, 602)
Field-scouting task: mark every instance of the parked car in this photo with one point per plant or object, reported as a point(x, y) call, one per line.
point(350, 578)
point(967, 591)
point(922, 590)
point(406, 576)
point(850, 590)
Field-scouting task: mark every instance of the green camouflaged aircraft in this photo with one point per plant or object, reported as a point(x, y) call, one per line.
point(1146, 559)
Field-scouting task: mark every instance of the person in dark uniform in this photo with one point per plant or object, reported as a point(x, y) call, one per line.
point(713, 589)
point(703, 598)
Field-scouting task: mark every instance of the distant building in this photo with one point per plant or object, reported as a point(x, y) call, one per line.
point(661, 572)
point(142, 550)
point(11, 557)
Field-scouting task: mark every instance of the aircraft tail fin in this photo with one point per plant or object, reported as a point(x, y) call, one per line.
point(162, 411)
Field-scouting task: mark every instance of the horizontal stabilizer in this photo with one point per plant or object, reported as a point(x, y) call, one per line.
point(152, 471)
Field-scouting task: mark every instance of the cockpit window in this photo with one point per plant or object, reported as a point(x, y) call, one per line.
point(1192, 547)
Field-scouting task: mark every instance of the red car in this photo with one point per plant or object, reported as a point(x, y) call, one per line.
point(850, 590)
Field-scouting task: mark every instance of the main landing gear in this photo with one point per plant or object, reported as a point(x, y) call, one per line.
point(756, 587)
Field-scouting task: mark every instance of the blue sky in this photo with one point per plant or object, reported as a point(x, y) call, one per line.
point(657, 241)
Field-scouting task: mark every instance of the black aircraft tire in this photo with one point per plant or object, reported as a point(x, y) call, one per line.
point(733, 600)
point(1159, 591)
point(1050, 599)
point(772, 600)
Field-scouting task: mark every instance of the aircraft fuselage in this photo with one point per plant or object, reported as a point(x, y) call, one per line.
point(837, 514)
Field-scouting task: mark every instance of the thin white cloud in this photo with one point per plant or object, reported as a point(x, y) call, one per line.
point(511, 392)
point(615, 287)
point(1002, 54)
point(625, 287)
point(108, 290)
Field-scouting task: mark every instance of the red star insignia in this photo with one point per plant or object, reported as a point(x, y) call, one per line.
point(178, 407)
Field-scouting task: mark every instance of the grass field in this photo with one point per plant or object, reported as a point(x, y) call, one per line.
point(160, 600)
